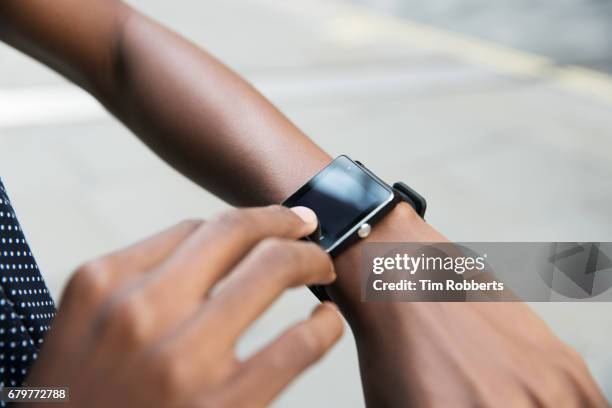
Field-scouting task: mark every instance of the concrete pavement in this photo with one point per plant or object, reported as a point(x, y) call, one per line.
point(504, 145)
point(571, 32)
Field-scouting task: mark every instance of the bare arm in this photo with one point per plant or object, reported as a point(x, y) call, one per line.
point(214, 127)
point(187, 106)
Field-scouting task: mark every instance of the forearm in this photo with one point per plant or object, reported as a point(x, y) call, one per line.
point(193, 111)
point(206, 120)
point(73, 37)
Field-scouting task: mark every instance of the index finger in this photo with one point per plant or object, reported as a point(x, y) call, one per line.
point(220, 244)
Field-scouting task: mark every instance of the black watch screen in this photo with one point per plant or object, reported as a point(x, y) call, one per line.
point(343, 195)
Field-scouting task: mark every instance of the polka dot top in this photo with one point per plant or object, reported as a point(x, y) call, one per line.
point(26, 308)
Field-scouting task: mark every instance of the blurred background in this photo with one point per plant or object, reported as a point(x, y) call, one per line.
point(500, 113)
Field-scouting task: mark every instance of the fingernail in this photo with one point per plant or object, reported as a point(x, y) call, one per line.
point(307, 215)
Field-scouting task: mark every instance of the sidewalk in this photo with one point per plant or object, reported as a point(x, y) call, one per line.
point(504, 145)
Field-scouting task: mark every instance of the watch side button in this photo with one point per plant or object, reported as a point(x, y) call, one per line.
point(364, 230)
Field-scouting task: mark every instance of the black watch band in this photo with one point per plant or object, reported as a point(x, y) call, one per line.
point(403, 192)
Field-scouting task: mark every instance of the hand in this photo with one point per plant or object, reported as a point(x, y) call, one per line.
point(455, 354)
point(142, 328)
point(475, 355)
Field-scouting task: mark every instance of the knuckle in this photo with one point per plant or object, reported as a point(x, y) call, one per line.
point(282, 257)
point(308, 263)
point(170, 373)
point(191, 223)
point(127, 320)
point(568, 361)
point(228, 402)
point(89, 282)
point(545, 386)
point(235, 223)
point(295, 262)
point(319, 261)
point(286, 220)
point(273, 248)
point(574, 358)
point(546, 378)
point(277, 210)
point(225, 397)
point(309, 342)
point(232, 220)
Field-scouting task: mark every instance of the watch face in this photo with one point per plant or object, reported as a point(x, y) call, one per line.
point(343, 195)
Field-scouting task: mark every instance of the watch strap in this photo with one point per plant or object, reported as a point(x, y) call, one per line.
point(403, 192)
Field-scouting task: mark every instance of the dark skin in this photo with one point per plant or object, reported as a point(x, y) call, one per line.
point(121, 335)
point(192, 110)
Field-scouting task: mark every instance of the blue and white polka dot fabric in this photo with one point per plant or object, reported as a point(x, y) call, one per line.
point(26, 308)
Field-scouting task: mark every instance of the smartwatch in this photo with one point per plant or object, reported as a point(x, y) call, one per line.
point(348, 200)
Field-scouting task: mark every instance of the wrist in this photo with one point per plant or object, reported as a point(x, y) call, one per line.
point(402, 224)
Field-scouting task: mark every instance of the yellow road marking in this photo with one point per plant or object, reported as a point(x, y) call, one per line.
point(356, 25)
